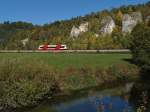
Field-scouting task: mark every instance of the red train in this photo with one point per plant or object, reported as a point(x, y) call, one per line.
point(53, 47)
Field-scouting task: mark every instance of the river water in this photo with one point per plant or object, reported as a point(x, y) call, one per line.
point(109, 100)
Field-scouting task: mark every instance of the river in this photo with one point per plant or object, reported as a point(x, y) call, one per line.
point(108, 100)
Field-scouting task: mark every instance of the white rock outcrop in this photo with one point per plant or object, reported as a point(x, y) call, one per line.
point(25, 41)
point(96, 35)
point(75, 32)
point(108, 25)
point(147, 19)
point(130, 21)
point(137, 16)
point(84, 27)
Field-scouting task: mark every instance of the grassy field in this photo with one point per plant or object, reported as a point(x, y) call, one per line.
point(26, 78)
point(61, 60)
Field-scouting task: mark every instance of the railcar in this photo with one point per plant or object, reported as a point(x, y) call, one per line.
point(53, 47)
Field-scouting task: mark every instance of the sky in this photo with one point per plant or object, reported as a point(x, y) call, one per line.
point(47, 11)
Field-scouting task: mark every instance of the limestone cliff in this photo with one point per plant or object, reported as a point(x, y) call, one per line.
point(75, 32)
point(25, 41)
point(130, 21)
point(147, 19)
point(108, 25)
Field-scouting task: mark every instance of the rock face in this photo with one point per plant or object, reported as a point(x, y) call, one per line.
point(137, 16)
point(75, 32)
point(96, 35)
point(127, 23)
point(84, 27)
point(147, 19)
point(24, 42)
point(130, 21)
point(108, 25)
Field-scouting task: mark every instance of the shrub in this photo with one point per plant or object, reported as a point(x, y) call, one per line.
point(76, 78)
point(85, 77)
point(24, 83)
point(140, 47)
point(124, 72)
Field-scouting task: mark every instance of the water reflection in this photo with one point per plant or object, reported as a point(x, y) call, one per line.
point(140, 95)
point(97, 103)
point(103, 101)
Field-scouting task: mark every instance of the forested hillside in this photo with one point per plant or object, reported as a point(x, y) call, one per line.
point(108, 29)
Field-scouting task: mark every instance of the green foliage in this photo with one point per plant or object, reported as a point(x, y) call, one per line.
point(141, 47)
point(7, 29)
point(86, 77)
point(25, 80)
point(24, 83)
point(59, 32)
point(77, 60)
point(141, 44)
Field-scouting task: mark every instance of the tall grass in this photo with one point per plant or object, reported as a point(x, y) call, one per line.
point(85, 77)
point(26, 82)
point(62, 61)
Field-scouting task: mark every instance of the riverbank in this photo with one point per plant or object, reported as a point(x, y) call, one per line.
point(86, 100)
point(26, 80)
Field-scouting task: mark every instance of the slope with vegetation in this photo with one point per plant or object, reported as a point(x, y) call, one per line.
point(108, 29)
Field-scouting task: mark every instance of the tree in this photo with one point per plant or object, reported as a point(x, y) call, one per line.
point(118, 18)
point(140, 47)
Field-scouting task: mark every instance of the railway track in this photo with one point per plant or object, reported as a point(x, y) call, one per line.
point(67, 51)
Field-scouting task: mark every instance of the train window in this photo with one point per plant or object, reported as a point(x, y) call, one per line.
point(51, 47)
point(62, 47)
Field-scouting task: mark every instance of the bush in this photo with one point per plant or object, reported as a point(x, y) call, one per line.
point(77, 78)
point(124, 72)
point(140, 47)
point(24, 83)
point(85, 77)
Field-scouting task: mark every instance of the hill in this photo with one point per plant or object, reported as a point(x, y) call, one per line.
point(108, 29)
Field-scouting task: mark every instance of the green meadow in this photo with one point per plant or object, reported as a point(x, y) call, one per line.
point(27, 78)
point(65, 60)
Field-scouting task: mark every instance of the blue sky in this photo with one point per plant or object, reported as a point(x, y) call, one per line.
point(46, 11)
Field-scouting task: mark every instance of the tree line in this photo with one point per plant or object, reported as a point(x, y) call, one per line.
point(11, 33)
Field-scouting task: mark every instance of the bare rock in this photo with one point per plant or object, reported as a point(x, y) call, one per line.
point(147, 20)
point(96, 35)
point(84, 27)
point(108, 25)
point(75, 32)
point(130, 21)
point(24, 41)
point(137, 16)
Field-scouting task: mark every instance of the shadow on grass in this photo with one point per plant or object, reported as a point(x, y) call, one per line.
point(129, 60)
